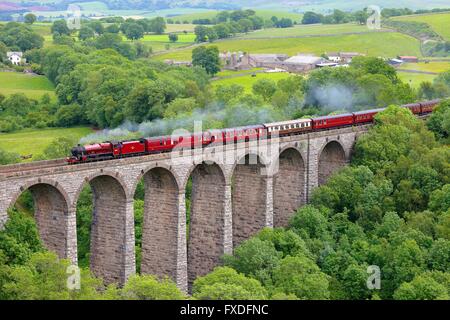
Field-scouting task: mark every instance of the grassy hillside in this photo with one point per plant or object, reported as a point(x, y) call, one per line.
point(435, 66)
point(415, 79)
point(34, 141)
point(31, 85)
point(374, 44)
point(439, 22)
point(305, 30)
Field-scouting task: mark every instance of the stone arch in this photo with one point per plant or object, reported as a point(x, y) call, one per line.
point(289, 186)
point(114, 175)
point(168, 168)
point(332, 157)
point(160, 224)
point(249, 197)
point(110, 226)
point(52, 214)
point(206, 227)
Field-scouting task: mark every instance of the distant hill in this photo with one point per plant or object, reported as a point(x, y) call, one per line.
point(291, 5)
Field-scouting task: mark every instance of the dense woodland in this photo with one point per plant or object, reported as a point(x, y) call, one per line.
point(390, 208)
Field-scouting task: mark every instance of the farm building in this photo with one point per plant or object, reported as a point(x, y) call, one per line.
point(235, 60)
point(302, 63)
point(343, 57)
point(267, 60)
point(15, 57)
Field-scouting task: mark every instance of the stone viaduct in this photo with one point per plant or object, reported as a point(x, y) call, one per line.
point(230, 201)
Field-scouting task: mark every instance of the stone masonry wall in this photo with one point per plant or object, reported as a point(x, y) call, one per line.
point(50, 215)
point(108, 229)
point(249, 193)
point(160, 225)
point(206, 230)
point(289, 187)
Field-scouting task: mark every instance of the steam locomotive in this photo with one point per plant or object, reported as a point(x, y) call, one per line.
point(131, 148)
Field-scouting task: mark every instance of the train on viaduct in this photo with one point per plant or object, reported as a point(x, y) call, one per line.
point(230, 200)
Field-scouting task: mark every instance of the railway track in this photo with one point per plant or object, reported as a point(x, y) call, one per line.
point(32, 166)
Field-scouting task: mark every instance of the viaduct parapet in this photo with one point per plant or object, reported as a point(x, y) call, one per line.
point(230, 201)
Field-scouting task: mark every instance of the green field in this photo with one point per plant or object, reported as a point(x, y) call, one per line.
point(247, 80)
point(231, 73)
point(265, 14)
point(373, 44)
point(305, 30)
point(439, 22)
point(31, 85)
point(180, 27)
point(436, 66)
point(415, 79)
point(33, 141)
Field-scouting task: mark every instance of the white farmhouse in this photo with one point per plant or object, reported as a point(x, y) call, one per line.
point(15, 57)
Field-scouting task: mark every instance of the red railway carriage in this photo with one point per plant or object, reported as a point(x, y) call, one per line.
point(327, 122)
point(129, 148)
point(414, 107)
point(160, 144)
point(365, 116)
point(240, 134)
point(428, 106)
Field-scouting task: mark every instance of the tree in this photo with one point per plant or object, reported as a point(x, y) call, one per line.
point(309, 220)
point(374, 65)
point(354, 282)
point(439, 121)
point(112, 28)
point(173, 37)
point(60, 28)
point(157, 25)
point(201, 33)
point(422, 287)
point(30, 18)
point(226, 93)
point(85, 33)
point(339, 16)
point(222, 30)
point(222, 16)
point(207, 58)
point(255, 258)
point(264, 88)
point(44, 277)
point(439, 256)
point(245, 25)
point(302, 277)
point(224, 283)
point(180, 107)
point(311, 17)
point(212, 35)
point(97, 26)
point(21, 36)
point(134, 31)
point(147, 287)
point(361, 16)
